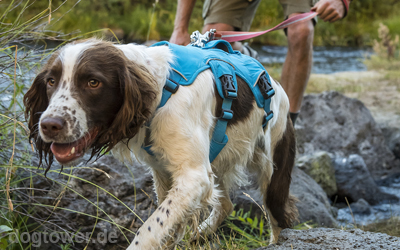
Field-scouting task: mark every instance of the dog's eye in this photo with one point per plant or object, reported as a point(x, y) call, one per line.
point(93, 83)
point(51, 82)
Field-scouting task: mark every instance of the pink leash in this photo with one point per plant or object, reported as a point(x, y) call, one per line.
point(234, 36)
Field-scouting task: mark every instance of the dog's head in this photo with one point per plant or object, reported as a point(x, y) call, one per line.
point(88, 95)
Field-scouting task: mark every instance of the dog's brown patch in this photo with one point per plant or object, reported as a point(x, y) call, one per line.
point(280, 203)
point(241, 107)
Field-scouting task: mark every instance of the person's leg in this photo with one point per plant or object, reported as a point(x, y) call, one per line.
point(297, 67)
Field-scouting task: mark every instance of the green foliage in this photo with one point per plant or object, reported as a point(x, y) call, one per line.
point(269, 14)
point(133, 19)
point(251, 232)
point(390, 227)
point(359, 27)
point(387, 55)
point(130, 19)
point(386, 47)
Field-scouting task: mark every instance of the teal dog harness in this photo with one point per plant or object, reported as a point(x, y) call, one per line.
point(226, 65)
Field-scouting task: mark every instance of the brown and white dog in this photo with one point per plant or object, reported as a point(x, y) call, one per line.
point(100, 96)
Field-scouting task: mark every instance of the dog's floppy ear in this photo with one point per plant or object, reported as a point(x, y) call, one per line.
point(138, 88)
point(36, 102)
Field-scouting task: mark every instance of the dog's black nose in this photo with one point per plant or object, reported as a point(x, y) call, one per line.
point(51, 126)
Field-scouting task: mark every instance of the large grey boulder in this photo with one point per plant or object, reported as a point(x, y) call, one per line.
point(320, 167)
point(355, 182)
point(329, 238)
point(313, 203)
point(340, 125)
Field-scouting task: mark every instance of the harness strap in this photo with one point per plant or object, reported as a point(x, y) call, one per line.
point(225, 80)
point(264, 84)
point(169, 89)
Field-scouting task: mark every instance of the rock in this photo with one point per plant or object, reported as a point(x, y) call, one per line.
point(358, 213)
point(132, 185)
point(329, 238)
point(355, 182)
point(320, 167)
point(390, 181)
point(313, 203)
point(361, 207)
point(392, 137)
point(340, 125)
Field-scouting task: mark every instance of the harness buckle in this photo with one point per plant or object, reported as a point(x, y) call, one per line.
point(226, 114)
point(228, 88)
point(265, 86)
point(171, 86)
point(200, 40)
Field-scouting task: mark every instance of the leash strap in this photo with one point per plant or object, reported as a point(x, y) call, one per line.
point(235, 36)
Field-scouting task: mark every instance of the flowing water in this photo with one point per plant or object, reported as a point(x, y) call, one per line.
point(378, 212)
point(326, 60)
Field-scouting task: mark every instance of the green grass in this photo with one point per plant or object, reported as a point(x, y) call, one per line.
point(379, 63)
point(390, 227)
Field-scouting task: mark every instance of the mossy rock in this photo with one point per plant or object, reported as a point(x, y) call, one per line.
point(320, 167)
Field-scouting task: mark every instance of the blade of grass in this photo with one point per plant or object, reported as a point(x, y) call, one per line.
point(97, 216)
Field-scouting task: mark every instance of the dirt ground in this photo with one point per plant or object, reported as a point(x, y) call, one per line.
point(378, 90)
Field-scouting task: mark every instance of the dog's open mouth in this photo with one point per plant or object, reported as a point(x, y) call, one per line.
point(67, 152)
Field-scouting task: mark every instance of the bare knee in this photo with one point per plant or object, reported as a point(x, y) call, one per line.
point(300, 36)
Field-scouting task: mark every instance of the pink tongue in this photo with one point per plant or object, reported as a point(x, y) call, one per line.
point(62, 152)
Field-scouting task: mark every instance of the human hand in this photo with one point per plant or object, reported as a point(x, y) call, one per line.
point(330, 10)
point(180, 37)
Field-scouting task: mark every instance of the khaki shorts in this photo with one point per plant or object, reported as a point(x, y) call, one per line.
point(240, 13)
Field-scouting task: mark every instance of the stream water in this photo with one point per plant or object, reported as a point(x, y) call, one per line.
point(326, 60)
point(376, 213)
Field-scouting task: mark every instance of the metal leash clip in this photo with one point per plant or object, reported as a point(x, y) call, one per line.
point(199, 40)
